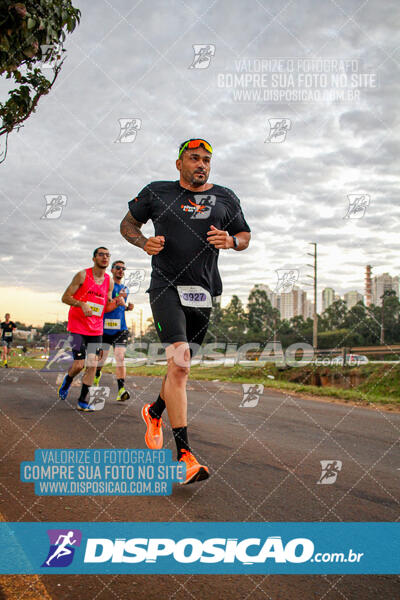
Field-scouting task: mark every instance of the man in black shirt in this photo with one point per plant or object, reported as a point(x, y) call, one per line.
point(7, 328)
point(193, 220)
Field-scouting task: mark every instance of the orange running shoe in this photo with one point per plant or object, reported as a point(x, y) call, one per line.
point(154, 434)
point(194, 470)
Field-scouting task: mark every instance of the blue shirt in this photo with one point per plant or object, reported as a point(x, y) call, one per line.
point(114, 321)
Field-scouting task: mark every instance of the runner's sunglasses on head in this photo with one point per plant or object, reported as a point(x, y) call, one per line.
point(196, 143)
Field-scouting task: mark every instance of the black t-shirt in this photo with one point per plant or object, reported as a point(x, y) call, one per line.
point(7, 330)
point(183, 217)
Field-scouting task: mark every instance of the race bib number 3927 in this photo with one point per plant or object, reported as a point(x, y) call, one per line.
point(194, 295)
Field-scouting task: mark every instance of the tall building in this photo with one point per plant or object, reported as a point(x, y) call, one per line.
point(308, 309)
point(381, 284)
point(351, 298)
point(273, 297)
point(293, 303)
point(290, 304)
point(328, 298)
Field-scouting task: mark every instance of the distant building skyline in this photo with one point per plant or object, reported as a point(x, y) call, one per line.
point(352, 298)
point(328, 298)
point(381, 284)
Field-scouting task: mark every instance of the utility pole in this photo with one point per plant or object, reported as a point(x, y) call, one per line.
point(382, 340)
point(315, 318)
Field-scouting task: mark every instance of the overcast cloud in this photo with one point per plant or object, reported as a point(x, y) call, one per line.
point(132, 61)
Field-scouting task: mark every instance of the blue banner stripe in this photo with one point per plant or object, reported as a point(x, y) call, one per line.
point(200, 548)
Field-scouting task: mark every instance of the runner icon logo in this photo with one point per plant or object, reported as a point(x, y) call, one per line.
point(98, 396)
point(278, 129)
point(128, 129)
point(61, 551)
point(251, 394)
point(51, 56)
point(358, 204)
point(132, 279)
point(330, 470)
point(202, 56)
point(286, 280)
point(60, 352)
point(54, 206)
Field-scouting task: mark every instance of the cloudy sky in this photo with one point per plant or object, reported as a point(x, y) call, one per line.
point(132, 61)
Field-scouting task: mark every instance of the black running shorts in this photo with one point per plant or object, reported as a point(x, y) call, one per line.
point(119, 338)
point(177, 323)
point(82, 344)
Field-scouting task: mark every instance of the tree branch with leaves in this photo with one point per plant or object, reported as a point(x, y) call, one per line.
point(32, 34)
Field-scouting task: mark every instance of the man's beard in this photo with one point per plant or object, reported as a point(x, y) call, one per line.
point(196, 182)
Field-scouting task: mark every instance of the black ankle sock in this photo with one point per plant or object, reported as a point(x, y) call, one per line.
point(98, 371)
point(121, 383)
point(84, 392)
point(181, 440)
point(157, 408)
point(68, 379)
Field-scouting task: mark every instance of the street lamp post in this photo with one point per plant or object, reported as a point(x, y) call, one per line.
point(382, 340)
point(315, 317)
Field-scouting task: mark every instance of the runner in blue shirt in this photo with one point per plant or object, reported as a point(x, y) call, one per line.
point(115, 332)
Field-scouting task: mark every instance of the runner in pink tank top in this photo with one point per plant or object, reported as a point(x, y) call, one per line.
point(95, 295)
point(89, 295)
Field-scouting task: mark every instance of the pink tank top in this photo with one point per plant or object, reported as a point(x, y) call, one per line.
point(96, 296)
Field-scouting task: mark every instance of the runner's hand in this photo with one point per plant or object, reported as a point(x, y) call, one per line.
point(119, 301)
point(87, 311)
point(154, 245)
point(130, 306)
point(219, 238)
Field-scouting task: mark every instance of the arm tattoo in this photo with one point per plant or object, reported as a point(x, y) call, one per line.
point(130, 230)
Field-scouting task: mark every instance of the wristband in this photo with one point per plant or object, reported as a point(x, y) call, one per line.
point(235, 241)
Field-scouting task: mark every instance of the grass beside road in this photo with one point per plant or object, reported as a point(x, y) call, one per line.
point(379, 384)
point(239, 374)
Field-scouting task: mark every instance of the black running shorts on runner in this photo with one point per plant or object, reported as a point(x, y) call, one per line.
point(85, 343)
point(119, 338)
point(177, 323)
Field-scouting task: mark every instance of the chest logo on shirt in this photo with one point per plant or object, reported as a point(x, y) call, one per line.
point(201, 207)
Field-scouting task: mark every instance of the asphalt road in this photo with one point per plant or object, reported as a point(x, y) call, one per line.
point(264, 463)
